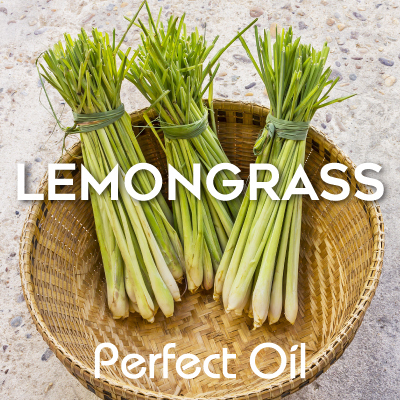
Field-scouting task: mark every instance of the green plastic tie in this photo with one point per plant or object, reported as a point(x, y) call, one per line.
point(292, 130)
point(94, 121)
point(188, 131)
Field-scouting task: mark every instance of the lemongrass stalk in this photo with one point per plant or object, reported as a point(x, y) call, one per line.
point(169, 71)
point(246, 300)
point(259, 231)
point(259, 236)
point(291, 298)
point(245, 273)
point(249, 305)
point(132, 271)
point(112, 261)
point(262, 290)
point(158, 220)
point(212, 236)
point(142, 265)
point(133, 307)
point(86, 75)
point(134, 283)
point(253, 285)
point(229, 266)
point(146, 240)
point(243, 220)
point(259, 224)
point(197, 267)
point(292, 266)
point(295, 79)
point(168, 247)
point(275, 308)
point(208, 279)
point(161, 278)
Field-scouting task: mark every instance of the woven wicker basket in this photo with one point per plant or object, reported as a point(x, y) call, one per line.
point(341, 260)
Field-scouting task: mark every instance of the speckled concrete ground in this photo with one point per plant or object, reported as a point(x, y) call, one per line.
point(366, 127)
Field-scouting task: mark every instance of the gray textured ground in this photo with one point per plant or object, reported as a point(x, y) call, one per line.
point(366, 127)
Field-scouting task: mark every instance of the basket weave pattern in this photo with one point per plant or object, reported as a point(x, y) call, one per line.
point(340, 264)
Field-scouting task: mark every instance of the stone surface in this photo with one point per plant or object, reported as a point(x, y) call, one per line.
point(369, 368)
point(330, 21)
point(384, 61)
point(239, 57)
point(359, 16)
point(390, 80)
point(302, 25)
point(335, 73)
point(256, 12)
point(46, 355)
point(250, 85)
point(354, 35)
point(20, 298)
point(40, 31)
point(16, 322)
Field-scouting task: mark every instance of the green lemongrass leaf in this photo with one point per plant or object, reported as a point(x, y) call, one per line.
point(332, 85)
point(244, 44)
point(281, 84)
point(189, 96)
point(131, 22)
point(158, 18)
point(289, 94)
point(221, 51)
point(209, 84)
point(304, 103)
point(158, 100)
point(338, 100)
point(152, 24)
point(296, 93)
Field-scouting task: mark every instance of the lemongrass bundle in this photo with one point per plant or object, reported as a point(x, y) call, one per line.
point(142, 254)
point(259, 269)
point(170, 72)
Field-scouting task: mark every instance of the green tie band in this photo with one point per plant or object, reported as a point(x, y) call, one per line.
point(92, 122)
point(188, 131)
point(293, 130)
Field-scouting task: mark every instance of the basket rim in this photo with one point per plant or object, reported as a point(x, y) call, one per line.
point(321, 361)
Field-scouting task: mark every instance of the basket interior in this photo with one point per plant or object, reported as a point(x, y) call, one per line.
point(336, 253)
